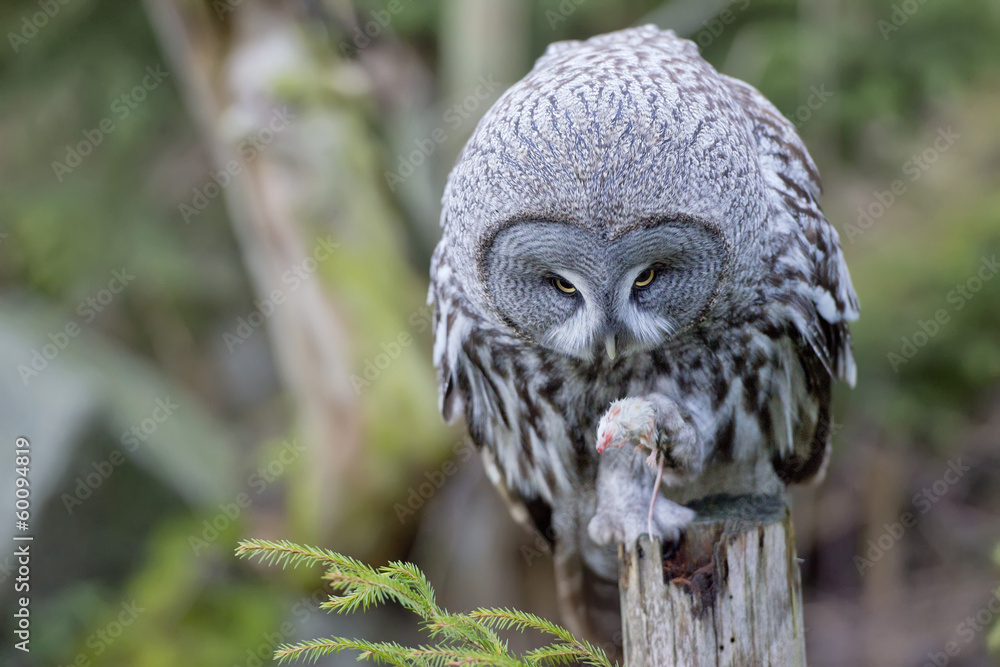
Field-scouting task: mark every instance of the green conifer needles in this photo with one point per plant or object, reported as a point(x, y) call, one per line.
point(461, 639)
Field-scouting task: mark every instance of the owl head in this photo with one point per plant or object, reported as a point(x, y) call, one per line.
point(582, 292)
point(610, 199)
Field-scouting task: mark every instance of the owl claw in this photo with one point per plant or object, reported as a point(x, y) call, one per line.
point(629, 502)
point(617, 523)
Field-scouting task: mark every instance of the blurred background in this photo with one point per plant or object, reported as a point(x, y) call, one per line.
point(216, 219)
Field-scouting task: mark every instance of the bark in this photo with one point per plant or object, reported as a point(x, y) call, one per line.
point(730, 594)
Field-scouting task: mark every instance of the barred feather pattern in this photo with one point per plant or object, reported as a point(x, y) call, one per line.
point(753, 372)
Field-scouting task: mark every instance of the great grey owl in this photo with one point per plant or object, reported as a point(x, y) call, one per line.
point(626, 222)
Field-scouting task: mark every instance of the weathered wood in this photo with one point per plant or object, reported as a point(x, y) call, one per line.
point(729, 595)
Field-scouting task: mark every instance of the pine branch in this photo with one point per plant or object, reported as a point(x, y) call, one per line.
point(556, 654)
point(463, 639)
point(460, 627)
point(386, 653)
point(286, 553)
point(505, 619)
point(369, 586)
point(454, 655)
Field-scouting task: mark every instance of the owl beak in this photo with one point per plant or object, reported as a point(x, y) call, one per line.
point(609, 345)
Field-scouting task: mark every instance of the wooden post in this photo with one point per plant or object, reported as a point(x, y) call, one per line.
point(730, 594)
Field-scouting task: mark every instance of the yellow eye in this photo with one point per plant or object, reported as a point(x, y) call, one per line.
point(645, 278)
point(564, 286)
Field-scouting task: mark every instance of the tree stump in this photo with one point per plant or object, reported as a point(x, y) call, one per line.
point(730, 594)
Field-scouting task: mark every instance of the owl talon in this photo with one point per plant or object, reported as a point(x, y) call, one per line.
point(629, 502)
point(617, 522)
point(655, 424)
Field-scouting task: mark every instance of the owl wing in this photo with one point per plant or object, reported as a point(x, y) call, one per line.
point(810, 295)
point(469, 386)
point(451, 326)
point(466, 388)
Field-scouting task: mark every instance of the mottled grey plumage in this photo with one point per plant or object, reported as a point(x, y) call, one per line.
point(612, 156)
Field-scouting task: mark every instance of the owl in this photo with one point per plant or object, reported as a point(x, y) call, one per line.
point(627, 223)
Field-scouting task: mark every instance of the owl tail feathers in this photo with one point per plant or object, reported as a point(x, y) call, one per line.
point(589, 603)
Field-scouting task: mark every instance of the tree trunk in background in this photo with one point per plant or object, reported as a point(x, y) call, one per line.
point(481, 39)
point(228, 69)
point(280, 108)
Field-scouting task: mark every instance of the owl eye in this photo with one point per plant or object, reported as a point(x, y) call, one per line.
point(564, 286)
point(645, 278)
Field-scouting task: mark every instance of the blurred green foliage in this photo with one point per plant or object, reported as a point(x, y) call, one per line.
point(180, 608)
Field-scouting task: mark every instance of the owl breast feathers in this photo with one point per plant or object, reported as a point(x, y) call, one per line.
point(627, 222)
